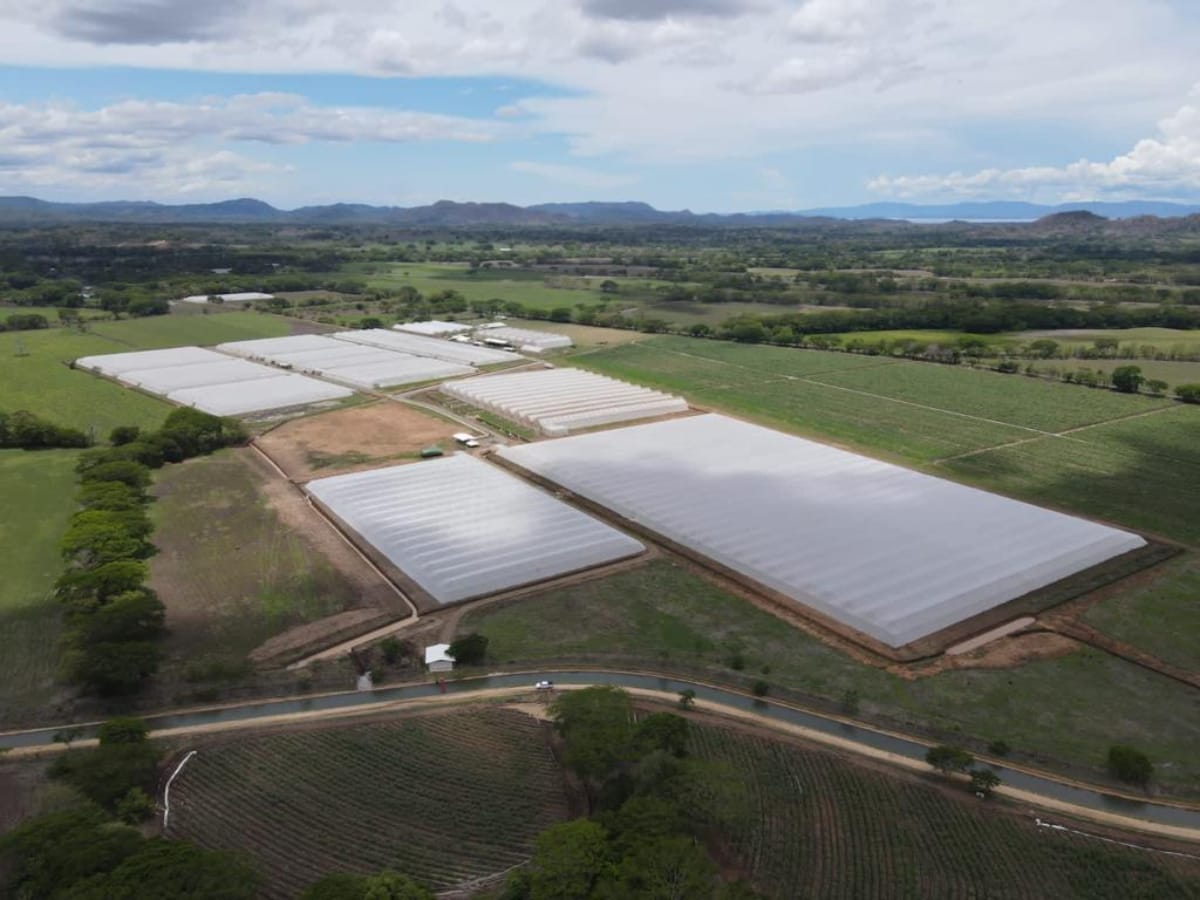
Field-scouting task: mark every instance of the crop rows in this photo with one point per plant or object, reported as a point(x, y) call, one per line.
point(818, 827)
point(444, 798)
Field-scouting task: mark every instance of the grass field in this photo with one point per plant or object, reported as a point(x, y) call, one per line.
point(845, 832)
point(39, 494)
point(1067, 710)
point(1162, 617)
point(230, 572)
point(34, 373)
point(1162, 338)
point(444, 798)
point(1138, 463)
point(528, 288)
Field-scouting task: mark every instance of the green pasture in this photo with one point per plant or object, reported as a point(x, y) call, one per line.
point(1161, 616)
point(38, 490)
point(35, 375)
point(1067, 710)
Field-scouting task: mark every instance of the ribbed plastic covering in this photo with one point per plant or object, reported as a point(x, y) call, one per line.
point(529, 341)
point(281, 391)
point(434, 348)
point(172, 378)
point(432, 328)
point(346, 363)
point(119, 363)
point(559, 401)
point(888, 551)
point(461, 528)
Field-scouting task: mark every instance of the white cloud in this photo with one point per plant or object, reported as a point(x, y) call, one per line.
point(576, 176)
point(1167, 165)
point(664, 81)
point(180, 147)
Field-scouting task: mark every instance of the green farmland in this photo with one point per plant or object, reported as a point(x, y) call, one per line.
point(39, 495)
point(1136, 460)
point(1065, 711)
point(848, 833)
point(34, 374)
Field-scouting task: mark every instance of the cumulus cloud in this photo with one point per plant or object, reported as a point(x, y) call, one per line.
point(180, 147)
point(651, 10)
point(576, 176)
point(1163, 166)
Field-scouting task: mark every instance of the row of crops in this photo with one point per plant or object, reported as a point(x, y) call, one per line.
point(445, 798)
point(816, 827)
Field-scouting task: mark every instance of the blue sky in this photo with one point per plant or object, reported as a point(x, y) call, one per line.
point(714, 105)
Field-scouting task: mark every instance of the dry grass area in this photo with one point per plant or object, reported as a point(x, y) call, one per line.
point(242, 558)
point(348, 440)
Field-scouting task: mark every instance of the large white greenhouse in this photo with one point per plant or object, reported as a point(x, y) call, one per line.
point(528, 341)
point(888, 551)
point(212, 382)
point(462, 528)
point(346, 363)
point(434, 348)
point(433, 328)
point(559, 401)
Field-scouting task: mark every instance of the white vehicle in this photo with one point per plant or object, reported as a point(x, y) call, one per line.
point(466, 440)
point(544, 686)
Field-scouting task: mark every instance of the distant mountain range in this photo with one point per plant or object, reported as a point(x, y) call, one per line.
point(446, 213)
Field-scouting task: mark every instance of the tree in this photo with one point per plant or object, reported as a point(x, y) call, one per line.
point(568, 859)
point(1127, 379)
point(389, 885)
point(596, 723)
point(124, 434)
point(1157, 387)
point(44, 856)
point(115, 667)
point(560, 314)
point(133, 474)
point(608, 286)
point(1129, 765)
point(130, 616)
point(984, 781)
point(469, 650)
point(687, 698)
point(124, 730)
point(948, 759)
point(136, 806)
point(174, 870)
point(669, 868)
point(337, 886)
point(105, 774)
point(760, 688)
point(661, 731)
point(1188, 393)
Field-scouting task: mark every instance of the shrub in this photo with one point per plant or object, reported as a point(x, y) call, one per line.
point(947, 759)
point(1188, 393)
point(1129, 765)
point(760, 688)
point(470, 650)
point(999, 748)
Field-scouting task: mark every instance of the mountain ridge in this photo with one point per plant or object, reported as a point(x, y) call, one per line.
point(22, 210)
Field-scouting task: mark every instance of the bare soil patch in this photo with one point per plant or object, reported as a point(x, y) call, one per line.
point(348, 440)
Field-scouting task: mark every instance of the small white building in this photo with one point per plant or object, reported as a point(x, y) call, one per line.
point(438, 658)
point(242, 297)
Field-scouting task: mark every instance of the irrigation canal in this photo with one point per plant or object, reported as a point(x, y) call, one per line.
point(1148, 811)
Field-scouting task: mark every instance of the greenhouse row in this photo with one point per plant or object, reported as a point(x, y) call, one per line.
point(879, 548)
point(355, 365)
point(559, 401)
point(433, 328)
point(210, 381)
point(527, 340)
point(435, 348)
point(461, 528)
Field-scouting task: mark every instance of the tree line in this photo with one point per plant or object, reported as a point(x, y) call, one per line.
point(114, 620)
point(24, 430)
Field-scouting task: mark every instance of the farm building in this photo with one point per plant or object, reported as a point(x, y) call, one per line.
point(438, 658)
point(354, 365)
point(460, 528)
point(433, 328)
point(243, 297)
point(434, 348)
point(892, 553)
point(559, 401)
point(212, 382)
point(529, 341)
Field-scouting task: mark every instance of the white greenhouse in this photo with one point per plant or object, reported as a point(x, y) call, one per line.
point(355, 365)
point(461, 528)
point(212, 382)
point(242, 297)
point(559, 401)
point(433, 328)
point(236, 398)
point(434, 348)
point(528, 341)
point(888, 551)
